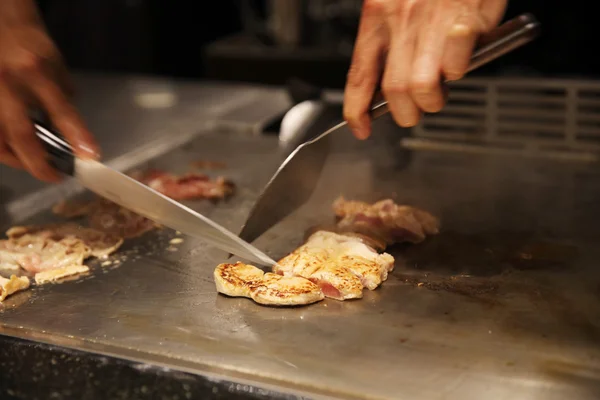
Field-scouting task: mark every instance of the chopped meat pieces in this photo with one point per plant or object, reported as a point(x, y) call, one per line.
point(54, 251)
point(340, 264)
point(243, 280)
point(186, 187)
point(385, 220)
point(99, 243)
point(35, 253)
point(12, 285)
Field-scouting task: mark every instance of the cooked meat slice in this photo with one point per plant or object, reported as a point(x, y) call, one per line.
point(100, 243)
point(235, 280)
point(55, 274)
point(187, 187)
point(340, 264)
point(111, 218)
point(385, 220)
point(336, 281)
point(36, 253)
point(12, 285)
point(243, 280)
point(278, 290)
point(107, 217)
point(73, 208)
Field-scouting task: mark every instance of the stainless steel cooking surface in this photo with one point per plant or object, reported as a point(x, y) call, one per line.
point(504, 304)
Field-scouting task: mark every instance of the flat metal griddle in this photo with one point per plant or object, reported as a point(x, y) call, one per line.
point(503, 304)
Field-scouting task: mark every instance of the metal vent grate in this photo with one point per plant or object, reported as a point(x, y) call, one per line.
point(531, 116)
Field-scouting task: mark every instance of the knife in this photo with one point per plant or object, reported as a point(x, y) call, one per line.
point(297, 177)
point(139, 198)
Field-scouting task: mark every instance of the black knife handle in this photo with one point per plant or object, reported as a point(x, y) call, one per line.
point(61, 155)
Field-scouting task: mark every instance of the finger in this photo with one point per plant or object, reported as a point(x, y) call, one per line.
point(460, 43)
point(492, 12)
point(425, 82)
point(19, 134)
point(365, 70)
point(64, 117)
point(398, 68)
point(7, 157)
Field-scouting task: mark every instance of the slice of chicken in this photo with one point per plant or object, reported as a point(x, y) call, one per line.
point(237, 279)
point(243, 280)
point(56, 274)
point(12, 285)
point(101, 244)
point(279, 290)
point(340, 264)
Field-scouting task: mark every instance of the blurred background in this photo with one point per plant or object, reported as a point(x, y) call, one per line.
point(269, 41)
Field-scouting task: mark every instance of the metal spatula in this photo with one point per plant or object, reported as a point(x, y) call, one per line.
point(295, 180)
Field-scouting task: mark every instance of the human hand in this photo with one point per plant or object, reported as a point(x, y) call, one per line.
point(32, 74)
point(410, 46)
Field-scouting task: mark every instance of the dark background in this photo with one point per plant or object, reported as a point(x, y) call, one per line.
point(171, 37)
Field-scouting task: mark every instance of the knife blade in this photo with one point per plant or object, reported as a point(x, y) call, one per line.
point(296, 179)
point(139, 198)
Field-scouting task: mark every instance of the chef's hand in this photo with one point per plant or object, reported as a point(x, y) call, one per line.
point(32, 74)
point(410, 46)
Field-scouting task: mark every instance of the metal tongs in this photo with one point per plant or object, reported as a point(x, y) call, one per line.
point(295, 180)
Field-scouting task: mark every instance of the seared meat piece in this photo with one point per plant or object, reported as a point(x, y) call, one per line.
point(54, 275)
point(385, 220)
point(242, 280)
point(186, 187)
point(12, 285)
point(341, 265)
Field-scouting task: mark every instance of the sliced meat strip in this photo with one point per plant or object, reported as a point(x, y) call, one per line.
point(237, 279)
point(37, 253)
point(186, 187)
point(243, 280)
point(100, 243)
point(111, 218)
point(54, 275)
point(277, 290)
point(12, 285)
point(385, 220)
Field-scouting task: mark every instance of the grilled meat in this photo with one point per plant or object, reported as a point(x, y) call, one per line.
point(12, 285)
point(340, 264)
point(242, 280)
point(186, 187)
point(385, 220)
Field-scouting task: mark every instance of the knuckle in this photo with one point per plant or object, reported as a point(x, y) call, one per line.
point(27, 63)
point(358, 77)
point(423, 84)
point(393, 87)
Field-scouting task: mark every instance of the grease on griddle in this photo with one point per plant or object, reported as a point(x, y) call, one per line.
point(477, 265)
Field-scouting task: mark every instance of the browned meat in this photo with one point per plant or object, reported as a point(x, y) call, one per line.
point(341, 265)
point(187, 187)
point(243, 280)
point(385, 220)
point(12, 285)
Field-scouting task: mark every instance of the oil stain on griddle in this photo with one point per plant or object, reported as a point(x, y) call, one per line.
point(477, 264)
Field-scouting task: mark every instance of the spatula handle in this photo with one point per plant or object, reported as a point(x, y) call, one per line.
point(505, 38)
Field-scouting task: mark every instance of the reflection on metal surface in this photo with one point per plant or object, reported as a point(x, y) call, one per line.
point(153, 94)
point(535, 336)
